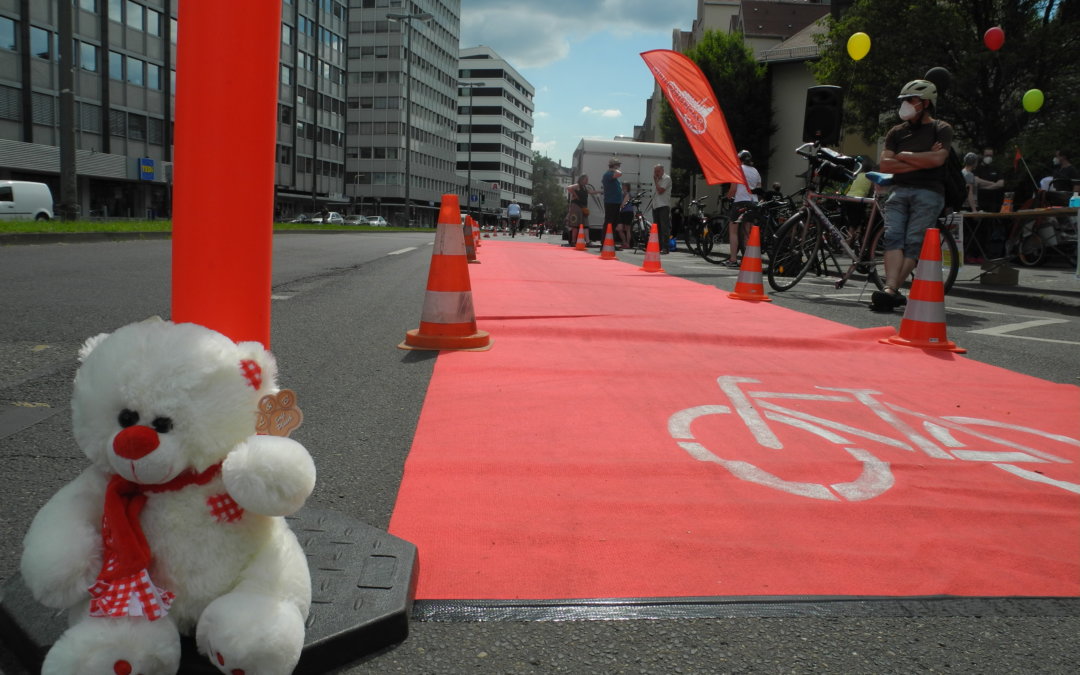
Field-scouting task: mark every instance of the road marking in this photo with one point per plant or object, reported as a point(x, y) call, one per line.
point(402, 250)
point(1008, 329)
point(280, 297)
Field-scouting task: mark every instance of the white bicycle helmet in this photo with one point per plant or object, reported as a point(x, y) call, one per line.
point(922, 89)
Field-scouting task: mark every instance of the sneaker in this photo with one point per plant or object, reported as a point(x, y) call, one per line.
point(880, 301)
point(730, 264)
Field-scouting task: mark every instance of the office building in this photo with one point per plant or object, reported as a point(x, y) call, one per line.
point(495, 114)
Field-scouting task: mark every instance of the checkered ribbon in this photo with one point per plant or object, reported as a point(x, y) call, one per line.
point(134, 595)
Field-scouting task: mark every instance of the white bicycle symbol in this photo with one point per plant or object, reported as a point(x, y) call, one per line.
point(937, 439)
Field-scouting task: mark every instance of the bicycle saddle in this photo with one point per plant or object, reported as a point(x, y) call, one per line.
point(878, 178)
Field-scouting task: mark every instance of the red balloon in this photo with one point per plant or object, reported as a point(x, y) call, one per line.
point(993, 38)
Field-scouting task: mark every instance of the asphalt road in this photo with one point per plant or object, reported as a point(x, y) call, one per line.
point(342, 303)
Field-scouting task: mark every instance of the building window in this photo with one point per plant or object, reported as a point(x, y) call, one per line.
point(40, 43)
point(89, 117)
point(153, 76)
point(43, 108)
point(117, 123)
point(135, 15)
point(116, 10)
point(88, 57)
point(88, 5)
point(155, 131)
point(286, 34)
point(135, 71)
point(7, 33)
point(116, 66)
point(136, 127)
point(286, 75)
point(153, 22)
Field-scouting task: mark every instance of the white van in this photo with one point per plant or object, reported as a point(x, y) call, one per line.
point(23, 200)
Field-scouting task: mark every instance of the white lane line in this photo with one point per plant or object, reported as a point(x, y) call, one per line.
point(1007, 330)
point(402, 250)
point(280, 297)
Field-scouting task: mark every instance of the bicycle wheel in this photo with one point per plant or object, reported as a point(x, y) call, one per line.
point(1032, 250)
point(715, 237)
point(692, 236)
point(950, 260)
point(795, 251)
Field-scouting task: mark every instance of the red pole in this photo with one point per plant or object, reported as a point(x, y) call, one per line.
point(223, 196)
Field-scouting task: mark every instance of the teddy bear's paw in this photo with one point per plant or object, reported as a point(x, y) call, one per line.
point(132, 646)
point(251, 634)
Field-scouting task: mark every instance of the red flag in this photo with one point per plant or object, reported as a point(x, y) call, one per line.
point(692, 98)
point(1017, 158)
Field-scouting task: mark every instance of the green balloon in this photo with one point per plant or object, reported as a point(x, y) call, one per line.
point(1033, 100)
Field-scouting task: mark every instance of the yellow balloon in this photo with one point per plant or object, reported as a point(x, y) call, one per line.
point(858, 46)
point(1033, 100)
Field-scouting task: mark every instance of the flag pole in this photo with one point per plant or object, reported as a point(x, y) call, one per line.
point(1034, 182)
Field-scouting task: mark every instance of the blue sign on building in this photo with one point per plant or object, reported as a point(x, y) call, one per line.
point(146, 168)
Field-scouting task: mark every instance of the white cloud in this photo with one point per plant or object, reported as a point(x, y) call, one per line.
point(546, 148)
point(533, 35)
point(541, 114)
point(609, 113)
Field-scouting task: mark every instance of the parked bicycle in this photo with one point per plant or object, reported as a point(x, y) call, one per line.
point(810, 240)
point(639, 226)
point(768, 216)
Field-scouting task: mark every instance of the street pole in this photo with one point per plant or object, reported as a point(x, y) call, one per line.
point(468, 181)
point(69, 197)
point(407, 19)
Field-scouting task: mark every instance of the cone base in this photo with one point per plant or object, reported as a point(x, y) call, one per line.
point(945, 346)
point(604, 255)
point(480, 341)
point(652, 269)
point(753, 298)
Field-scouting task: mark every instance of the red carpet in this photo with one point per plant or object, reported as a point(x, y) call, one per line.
point(640, 435)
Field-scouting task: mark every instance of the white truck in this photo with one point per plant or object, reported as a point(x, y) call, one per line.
point(638, 159)
point(23, 200)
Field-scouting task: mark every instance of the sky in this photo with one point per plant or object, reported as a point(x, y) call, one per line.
point(582, 56)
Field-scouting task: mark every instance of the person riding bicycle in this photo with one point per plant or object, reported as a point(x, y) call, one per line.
point(539, 218)
point(513, 214)
point(744, 194)
point(914, 153)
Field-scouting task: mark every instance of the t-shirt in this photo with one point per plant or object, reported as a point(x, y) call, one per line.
point(1064, 177)
point(514, 210)
point(989, 199)
point(753, 180)
point(908, 137)
point(612, 188)
point(662, 199)
point(580, 194)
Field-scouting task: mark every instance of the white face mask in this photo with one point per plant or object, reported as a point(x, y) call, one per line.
point(987, 159)
point(1056, 161)
point(907, 111)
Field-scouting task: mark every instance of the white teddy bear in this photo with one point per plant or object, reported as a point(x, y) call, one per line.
point(177, 523)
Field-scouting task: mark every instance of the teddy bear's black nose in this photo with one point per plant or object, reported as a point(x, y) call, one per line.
point(135, 442)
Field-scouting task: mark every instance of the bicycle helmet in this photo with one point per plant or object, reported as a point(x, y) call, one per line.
point(921, 89)
point(745, 156)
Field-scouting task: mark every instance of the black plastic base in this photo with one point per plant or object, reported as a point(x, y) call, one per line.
point(363, 583)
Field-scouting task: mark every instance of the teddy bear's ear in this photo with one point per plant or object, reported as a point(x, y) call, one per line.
point(89, 345)
point(258, 366)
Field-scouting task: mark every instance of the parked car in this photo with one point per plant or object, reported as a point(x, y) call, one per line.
point(332, 218)
point(356, 220)
point(24, 200)
point(377, 221)
point(301, 218)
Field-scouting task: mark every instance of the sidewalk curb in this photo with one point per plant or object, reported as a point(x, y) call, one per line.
point(1027, 299)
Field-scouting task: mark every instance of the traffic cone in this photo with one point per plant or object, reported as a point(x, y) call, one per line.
point(448, 320)
point(748, 286)
point(475, 232)
point(652, 252)
point(607, 251)
point(923, 324)
point(581, 244)
point(470, 243)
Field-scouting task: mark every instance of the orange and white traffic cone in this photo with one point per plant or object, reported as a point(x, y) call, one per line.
point(923, 324)
point(748, 286)
point(607, 251)
point(448, 320)
point(475, 232)
point(582, 243)
point(652, 252)
point(470, 243)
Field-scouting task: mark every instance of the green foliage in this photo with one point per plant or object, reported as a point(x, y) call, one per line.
point(742, 90)
point(983, 101)
point(546, 188)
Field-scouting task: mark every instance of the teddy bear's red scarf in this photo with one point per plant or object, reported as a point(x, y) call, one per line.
point(123, 587)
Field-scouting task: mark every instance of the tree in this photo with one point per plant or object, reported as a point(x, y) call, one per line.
point(546, 188)
point(743, 93)
point(983, 100)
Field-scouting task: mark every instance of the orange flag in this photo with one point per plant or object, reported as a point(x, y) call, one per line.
point(692, 98)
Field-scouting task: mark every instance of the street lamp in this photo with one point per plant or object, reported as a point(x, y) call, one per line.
point(468, 181)
point(407, 19)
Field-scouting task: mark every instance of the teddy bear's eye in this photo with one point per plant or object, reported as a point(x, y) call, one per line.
point(162, 425)
point(128, 418)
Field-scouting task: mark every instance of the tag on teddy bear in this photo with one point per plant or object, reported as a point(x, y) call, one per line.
point(278, 414)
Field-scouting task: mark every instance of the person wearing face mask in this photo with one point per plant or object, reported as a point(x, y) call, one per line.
point(1065, 181)
point(990, 184)
point(914, 153)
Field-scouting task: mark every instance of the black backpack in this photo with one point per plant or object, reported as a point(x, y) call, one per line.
point(952, 178)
